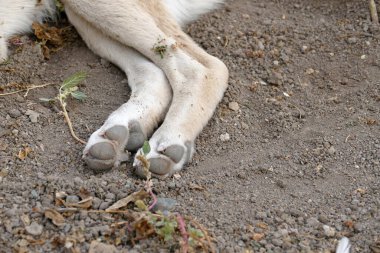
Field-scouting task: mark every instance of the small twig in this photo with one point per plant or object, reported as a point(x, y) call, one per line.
point(204, 231)
point(66, 115)
point(226, 41)
point(69, 124)
point(373, 12)
point(154, 200)
point(185, 235)
point(27, 89)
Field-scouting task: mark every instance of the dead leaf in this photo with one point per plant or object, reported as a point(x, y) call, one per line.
point(258, 236)
point(361, 191)
point(349, 224)
point(37, 242)
point(84, 204)
point(254, 54)
point(370, 121)
point(140, 195)
point(51, 37)
point(58, 241)
point(196, 187)
point(262, 225)
point(59, 196)
point(84, 193)
point(25, 219)
point(23, 153)
point(55, 217)
point(143, 228)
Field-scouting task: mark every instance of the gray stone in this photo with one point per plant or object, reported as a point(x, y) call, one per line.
point(33, 116)
point(328, 231)
point(234, 106)
point(34, 228)
point(14, 113)
point(164, 204)
point(331, 150)
point(261, 215)
point(96, 203)
point(104, 205)
point(313, 222)
point(110, 196)
point(72, 199)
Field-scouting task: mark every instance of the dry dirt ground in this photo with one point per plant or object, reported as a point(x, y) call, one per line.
point(298, 169)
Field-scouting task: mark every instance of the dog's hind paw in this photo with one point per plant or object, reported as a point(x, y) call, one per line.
point(107, 149)
point(165, 157)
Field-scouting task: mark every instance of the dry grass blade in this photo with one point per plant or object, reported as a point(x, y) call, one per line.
point(209, 245)
point(27, 89)
point(70, 125)
point(140, 195)
point(373, 12)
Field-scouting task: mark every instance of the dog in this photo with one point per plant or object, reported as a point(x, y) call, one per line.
point(172, 79)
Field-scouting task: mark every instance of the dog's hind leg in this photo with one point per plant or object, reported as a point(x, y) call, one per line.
point(131, 124)
point(198, 80)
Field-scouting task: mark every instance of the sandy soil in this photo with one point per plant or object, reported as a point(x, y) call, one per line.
point(299, 170)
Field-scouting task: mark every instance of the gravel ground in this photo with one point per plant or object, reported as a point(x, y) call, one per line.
point(290, 162)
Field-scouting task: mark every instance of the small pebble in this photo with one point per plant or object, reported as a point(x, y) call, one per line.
point(352, 40)
point(98, 247)
point(96, 203)
point(34, 228)
point(261, 215)
point(329, 231)
point(72, 199)
point(234, 106)
point(33, 116)
point(78, 181)
point(224, 137)
point(110, 196)
point(331, 150)
point(164, 204)
point(14, 113)
point(313, 222)
point(104, 205)
point(310, 71)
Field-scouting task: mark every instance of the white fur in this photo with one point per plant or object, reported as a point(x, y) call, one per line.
point(185, 11)
point(16, 17)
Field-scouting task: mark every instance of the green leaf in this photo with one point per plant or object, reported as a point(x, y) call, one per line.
point(195, 233)
point(167, 230)
point(141, 205)
point(78, 95)
point(73, 80)
point(59, 6)
point(146, 148)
